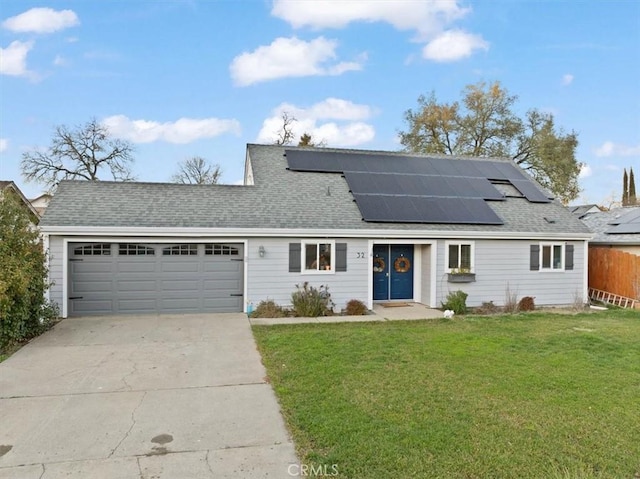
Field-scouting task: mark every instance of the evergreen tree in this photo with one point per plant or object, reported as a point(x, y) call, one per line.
point(632, 189)
point(625, 188)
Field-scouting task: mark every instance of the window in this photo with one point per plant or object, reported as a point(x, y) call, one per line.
point(128, 249)
point(551, 256)
point(220, 250)
point(318, 256)
point(180, 250)
point(460, 256)
point(337, 258)
point(96, 249)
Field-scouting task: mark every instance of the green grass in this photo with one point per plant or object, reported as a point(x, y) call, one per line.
point(535, 395)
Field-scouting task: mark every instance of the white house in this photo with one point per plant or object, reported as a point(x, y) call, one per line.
point(373, 226)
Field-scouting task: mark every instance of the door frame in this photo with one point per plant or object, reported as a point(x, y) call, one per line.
point(417, 269)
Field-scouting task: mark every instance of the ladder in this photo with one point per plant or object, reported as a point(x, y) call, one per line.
point(610, 298)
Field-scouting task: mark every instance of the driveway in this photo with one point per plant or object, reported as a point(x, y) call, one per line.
point(170, 396)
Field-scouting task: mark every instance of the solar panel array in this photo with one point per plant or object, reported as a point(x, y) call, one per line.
point(410, 189)
point(628, 223)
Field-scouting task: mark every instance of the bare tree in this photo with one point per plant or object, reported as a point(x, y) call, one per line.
point(285, 134)
point(197, 171)
point(79, 154)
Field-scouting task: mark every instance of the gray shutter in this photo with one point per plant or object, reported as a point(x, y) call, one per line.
point(341, 257)
point(294, 257)
point(534, 259)
point(568, 256)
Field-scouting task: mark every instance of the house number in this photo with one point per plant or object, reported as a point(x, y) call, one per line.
point(360, 255)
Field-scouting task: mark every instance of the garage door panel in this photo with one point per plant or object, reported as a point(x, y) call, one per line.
point(135, 285)
point(93, 307)
point(147, 265)
point(179, 285)
point(180, 267)
point(137, 305)
point(232, 285)
point(92, 287)
point(133, 281)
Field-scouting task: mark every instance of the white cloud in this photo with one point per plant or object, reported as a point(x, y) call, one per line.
point(13, 59)
point(567, 79)
point(610, 148)
point(4, 144)
point(289, 57)
point(41, 20)
point(453, 45)
point(428, 20)
point(585, 171)
point(343, 123)
point(184, 130)
point(425, 18)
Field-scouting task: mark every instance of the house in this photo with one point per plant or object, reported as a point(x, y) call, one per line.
point(10, 188)
point(618, 228)
point(374, 226)
point(41, 202)
point(614, 251)
point(582, 210)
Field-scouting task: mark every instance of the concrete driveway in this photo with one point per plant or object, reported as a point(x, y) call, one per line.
point(166, 396)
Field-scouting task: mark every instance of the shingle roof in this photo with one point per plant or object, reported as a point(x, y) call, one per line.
point(602, 222)
point(279, 199)
point(581, 210)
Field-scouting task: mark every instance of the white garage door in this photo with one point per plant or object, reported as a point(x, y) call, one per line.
point(131, 278)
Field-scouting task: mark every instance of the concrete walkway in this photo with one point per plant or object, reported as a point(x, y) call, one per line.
point(408, 311)
point(141, 397)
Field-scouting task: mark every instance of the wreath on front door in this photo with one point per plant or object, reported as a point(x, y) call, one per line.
point(378, 265)
point(402, 264)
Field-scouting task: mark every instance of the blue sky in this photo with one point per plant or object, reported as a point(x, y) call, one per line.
point(203, 78)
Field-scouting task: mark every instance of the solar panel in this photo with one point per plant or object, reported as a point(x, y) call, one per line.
point(629, 217)
point(530, 191)
point(415, 209)
point(421, 185)
point(415, 189)
point(627, 228)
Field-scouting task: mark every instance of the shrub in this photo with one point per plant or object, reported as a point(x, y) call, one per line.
point(456, 301)
point(487, 307)
point(355, 308)
point(510, 300)
point(526, 304)
point(311, 302)
point(269, 309)
point(24, 312)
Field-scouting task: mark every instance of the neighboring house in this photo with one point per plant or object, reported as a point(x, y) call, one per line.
point(581, 210)
point(618, 228)
point(372, 226)
point(10, 188)
point(614, 251)
point(41, 202)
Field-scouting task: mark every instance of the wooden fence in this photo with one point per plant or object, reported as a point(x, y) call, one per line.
point(614, 271)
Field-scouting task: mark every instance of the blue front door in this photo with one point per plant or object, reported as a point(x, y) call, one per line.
point(380, 272)
point(392, 272)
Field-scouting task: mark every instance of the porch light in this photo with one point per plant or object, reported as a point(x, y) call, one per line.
point(261, 251)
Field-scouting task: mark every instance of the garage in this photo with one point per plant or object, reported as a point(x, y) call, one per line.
point(138, 278)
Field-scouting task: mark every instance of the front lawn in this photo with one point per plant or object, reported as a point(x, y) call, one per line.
point(536, 395)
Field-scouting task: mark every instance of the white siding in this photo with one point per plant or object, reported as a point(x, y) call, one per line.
point(426, 274)
point(56, 269)
point(502, 263)
point(269, 277)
